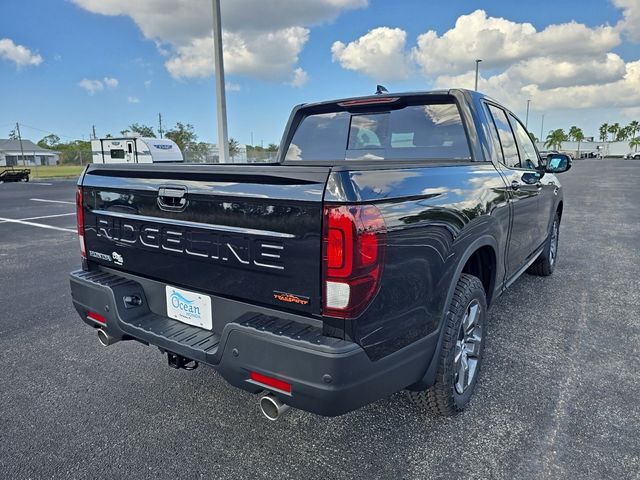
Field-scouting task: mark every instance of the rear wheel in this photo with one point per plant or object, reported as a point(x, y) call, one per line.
point(546, 262)
point(461, 353)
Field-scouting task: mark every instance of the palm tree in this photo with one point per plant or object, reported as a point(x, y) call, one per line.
point(234, 147)
point(604, 130)
point(623, 134)
point(613, 130)
point(635, 142)
point(633, 128)
point(572, 133)
point(555, 138)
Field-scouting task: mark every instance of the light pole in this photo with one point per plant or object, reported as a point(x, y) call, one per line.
point(526, 122)
point(223, 143)
point(542, 127)
point(477, 64)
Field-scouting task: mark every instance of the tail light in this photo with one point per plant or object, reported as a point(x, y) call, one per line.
point(353, 257)
point(80, 219)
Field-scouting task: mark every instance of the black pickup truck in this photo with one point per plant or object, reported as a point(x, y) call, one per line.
point(360, 264)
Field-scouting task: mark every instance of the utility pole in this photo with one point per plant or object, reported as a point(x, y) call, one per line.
point(223, 143)
point(160, 131)
point(526, 122)
point(477, 65)
point(542, 128)
point(252, 139)
point(93, 129)
point(20, 139)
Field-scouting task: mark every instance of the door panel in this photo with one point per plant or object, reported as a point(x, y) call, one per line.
point(530, 161)
point(524, 191)
point(129, 154)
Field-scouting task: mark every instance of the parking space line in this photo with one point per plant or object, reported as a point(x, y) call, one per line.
point(51, 201)
point(49, 216)
point(40, 183)
point(33, 224)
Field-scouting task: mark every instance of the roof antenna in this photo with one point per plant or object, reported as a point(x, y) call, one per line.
point(381, 89)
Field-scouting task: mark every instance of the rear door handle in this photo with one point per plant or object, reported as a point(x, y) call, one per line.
point(515, 185)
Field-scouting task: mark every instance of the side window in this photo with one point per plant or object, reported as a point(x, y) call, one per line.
point(493, 135)
point(528, 153)
point(508, 142)
point(117, 153)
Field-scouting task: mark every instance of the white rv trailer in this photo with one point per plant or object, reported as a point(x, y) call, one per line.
point(135, 149)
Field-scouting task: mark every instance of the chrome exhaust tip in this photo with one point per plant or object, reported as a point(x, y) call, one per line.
point(271, 407)
point(105, 339)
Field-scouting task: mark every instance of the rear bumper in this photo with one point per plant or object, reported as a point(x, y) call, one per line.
point(328, 376)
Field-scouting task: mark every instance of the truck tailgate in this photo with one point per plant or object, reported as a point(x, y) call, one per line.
point(244, 232)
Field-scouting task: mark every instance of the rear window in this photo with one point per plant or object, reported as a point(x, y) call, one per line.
point(117, 153)
point(432, 131)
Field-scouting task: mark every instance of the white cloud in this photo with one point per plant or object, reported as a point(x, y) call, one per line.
point(18, 54)
point(133, 100)
point(507, 88)
point(630, 24)
point(380, 54)
point(147, 84)
point(266, 55)
point(94, 86)
point(232, 87)
point(500, 42)
point(260, 38)
point(91, 86)
point(550, 72)
point(568, 65)
point(300, 78)
point(110, 82)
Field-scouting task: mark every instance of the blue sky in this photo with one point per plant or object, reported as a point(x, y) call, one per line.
point(72, 41)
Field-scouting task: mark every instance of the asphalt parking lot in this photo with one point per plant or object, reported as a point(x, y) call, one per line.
point(558, 396)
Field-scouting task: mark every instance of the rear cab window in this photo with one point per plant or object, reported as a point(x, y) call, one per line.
point(511, 138)
point(510, 157)
point(429, 130)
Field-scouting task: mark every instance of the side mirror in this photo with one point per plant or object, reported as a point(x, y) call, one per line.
point(558, 163)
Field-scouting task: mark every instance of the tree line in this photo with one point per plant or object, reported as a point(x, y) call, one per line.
point(620, 134)
point(183, 134)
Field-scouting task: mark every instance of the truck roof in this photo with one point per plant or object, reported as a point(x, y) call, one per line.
point(416, 93)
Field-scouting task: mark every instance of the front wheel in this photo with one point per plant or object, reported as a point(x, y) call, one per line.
point(461, 353)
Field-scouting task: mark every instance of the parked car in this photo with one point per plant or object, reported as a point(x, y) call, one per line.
point(547, 153)
point(363, 262)
point(633, 155)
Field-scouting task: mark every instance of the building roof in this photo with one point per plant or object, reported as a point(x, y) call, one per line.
point(9, 145)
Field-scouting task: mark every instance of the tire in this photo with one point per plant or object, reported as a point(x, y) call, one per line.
point(546, 262)
point(450, 393)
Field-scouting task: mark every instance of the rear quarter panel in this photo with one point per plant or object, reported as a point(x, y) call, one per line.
point(433, 215)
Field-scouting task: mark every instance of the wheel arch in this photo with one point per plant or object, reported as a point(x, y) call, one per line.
point(481, 248)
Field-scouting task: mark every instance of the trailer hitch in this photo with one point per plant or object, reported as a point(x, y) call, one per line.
point(179, 362)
